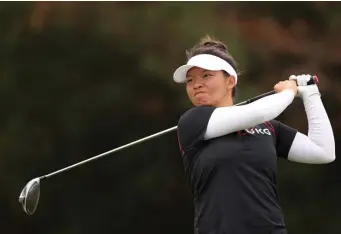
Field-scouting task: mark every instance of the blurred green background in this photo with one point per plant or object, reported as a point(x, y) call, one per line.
point(80, 78)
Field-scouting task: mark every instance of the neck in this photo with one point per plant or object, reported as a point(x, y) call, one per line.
point(226, 101)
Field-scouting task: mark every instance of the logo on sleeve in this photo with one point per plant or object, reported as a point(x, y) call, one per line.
point(255, 131)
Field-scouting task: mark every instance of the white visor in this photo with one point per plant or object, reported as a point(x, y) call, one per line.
point(204, 61)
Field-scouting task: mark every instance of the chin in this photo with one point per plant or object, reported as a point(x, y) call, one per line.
point(203, 103)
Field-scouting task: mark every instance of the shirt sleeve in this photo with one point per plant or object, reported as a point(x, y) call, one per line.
point(192, 126)
point(318, 147)
point(285, 136)
point(228, 119)
point(304, 150)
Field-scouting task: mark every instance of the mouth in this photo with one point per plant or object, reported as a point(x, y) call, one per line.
point(197, 93)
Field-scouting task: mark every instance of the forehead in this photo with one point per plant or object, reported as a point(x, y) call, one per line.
point(197, 70)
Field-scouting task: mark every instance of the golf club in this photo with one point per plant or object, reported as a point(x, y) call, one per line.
point(29, 197)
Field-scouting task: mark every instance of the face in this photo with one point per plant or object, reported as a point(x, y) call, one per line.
point(209, 88)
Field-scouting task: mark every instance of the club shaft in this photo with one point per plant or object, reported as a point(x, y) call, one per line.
point(140, 141)
point(111, 151)
point(312, 81)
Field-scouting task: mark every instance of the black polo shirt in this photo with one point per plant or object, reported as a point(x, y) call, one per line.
point(233, 177)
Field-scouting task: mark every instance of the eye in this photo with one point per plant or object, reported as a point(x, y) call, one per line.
point(189, 80)
point(206, 75)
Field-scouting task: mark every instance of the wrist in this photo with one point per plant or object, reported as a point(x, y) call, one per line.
point(289, 91)
point(308, 91)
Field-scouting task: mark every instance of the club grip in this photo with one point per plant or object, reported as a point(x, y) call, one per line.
point(313, 80)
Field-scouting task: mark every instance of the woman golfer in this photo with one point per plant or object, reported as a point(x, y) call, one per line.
point(230, 152)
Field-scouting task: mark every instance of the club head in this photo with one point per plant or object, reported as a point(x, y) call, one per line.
point(29, 196)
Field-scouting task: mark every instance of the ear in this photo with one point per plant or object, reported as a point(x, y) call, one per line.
point(231, 82)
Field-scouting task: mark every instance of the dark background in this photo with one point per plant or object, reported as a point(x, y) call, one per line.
point(79, 79)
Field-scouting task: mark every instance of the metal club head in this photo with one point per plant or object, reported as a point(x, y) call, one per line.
point(29, 196)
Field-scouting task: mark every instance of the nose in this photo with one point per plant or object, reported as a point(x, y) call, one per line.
point(197, 85)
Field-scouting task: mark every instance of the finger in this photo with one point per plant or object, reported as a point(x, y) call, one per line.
point(299, 81)
point(293, 81)
point(306, 79)
point(302, 80)
point(292, 77)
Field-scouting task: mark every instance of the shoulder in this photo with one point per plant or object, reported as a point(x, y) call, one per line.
point(280, 127)
point(196, 113)
point(274, 123)
point(282, 131)
point(192, 126)
point(197, 110)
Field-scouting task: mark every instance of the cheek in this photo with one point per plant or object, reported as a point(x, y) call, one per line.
point(216, 89)
point(189, 91)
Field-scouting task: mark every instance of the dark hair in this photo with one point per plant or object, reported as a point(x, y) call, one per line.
point(209, 45)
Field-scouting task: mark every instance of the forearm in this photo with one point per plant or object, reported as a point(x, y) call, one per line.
point(318, 146)
point(225, 120)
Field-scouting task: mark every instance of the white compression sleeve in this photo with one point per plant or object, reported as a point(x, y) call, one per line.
point(319, 146)
point(225, 120)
